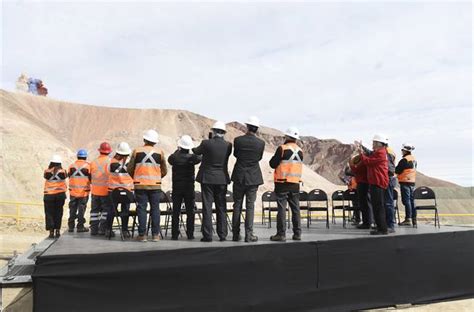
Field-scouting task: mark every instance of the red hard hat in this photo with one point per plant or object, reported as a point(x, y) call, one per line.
point(105, 148)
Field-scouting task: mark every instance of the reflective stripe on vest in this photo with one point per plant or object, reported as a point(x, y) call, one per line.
point(119, 177)
point(289, 170)
point(99, 176)
point(79, 183)
point(408, 175)
point(147, 171)
point(55, 184)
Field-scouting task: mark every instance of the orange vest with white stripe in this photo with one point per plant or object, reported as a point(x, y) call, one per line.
point(408, 175)
point(55, 184)
point(118, 176)
point(79, 183)
point(147, 169)
point(289, 170)
point(100, 176)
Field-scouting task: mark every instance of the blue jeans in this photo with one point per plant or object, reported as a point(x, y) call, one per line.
point(143, 198)
point(389, 206)
point(408, 200)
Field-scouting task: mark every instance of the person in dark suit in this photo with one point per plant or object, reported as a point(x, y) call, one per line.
point(247, 176)
point(214, 177)
point(183, 162)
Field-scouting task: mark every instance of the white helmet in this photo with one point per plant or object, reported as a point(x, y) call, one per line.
point(56, 159)
point(293, 132)
point(186, 142)
point(407, 147)
point(380, 138)
point(253, 121)
point(124, 149)
point(219, 125)
point(151, 136)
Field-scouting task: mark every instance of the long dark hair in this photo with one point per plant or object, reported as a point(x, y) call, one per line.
point(56, 166)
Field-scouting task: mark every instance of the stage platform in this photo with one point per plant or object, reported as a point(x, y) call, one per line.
point(332, 269)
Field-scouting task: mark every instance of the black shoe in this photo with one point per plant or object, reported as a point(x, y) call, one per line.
point(206, 240)
point(126, 234)
point(101, 232)
point(70, 230)
point(376, 232)
point(51, 234)
point(109, 234)
point(222, 239)
point(278, 238)
point(57, 234)
point(391, 230)
point(373, 226)
point(82, 229)
point(414, 223)
point(251, 239)
point(190, 237)
point(363, 227)
point(296, 237)
point(94, 232)
point(174, 238)
point(236, 238)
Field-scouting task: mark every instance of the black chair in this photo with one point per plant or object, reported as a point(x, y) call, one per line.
point(121, 196)
point(395, 205)
point(337, 203)
point(349, 205)
point(198, 204)
point(269, 203)
point(315, 198)
point(229, 199)
point(304, 204)
point(427, 195)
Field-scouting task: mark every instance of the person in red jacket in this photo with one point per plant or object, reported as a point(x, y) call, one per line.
point(377, 176)
point(359, 170)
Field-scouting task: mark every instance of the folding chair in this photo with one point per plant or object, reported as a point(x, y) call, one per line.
point(395, 205)
point(425, 194)
point(120, 196)
point(229, 199)
point(304, 204)
point(315, 197)
point(198, 200)
point(337, 197)
point(269, 198)
point(350, 197)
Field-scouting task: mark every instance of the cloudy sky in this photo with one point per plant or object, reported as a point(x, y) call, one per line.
point(336, 70)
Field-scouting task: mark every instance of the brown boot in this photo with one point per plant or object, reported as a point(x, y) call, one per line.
point(155, 238)
point(141, 238)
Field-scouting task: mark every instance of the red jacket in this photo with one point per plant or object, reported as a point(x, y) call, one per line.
point(360, 173)
point(377, 167)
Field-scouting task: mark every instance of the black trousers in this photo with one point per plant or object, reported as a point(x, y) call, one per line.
point(77, 209)
point(378, 204)
point(53, 210)
point(250, 193)
point(180, 196)
point(214, 193)
point(364, 203)
point(293, 199)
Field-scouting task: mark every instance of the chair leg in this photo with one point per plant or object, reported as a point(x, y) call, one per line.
point(327, 218)
point(308, 217)
point(343, 218)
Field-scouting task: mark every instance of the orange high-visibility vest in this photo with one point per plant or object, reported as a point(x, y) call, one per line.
point(100, 176)
point(408, 175)
point(118, 176)
point(352, 185)
point(147, 171)
point(55, 184)
point(79, 183)
point(289, 170)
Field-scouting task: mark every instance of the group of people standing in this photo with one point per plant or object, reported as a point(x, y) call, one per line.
point(140, 173)
point(375, 175)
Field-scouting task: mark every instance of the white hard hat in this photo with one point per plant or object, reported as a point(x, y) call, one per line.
point(219, 125)
point(407, 147)
point(380, 138)
point(56, 159)
point(186, 142)
point(293, 132)
point(253, 121)
point(151, 136)
point(124, 149)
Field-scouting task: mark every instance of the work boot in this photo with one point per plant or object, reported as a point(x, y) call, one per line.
point(51, 234)
point(57, 234)
point(278, 238)
point(70, 230)
point(206, 240)
point(251, 238)
point(363, 227)
point(377, 232)
point(126, 234)
point(190, 236)
point(296, 237)
point(94, 231)
point(222, 239)
point(406, 222)
point(82, 229)
point(174, 237)
point(109, 233)
point(236, 237)
point(414, 223)
point(155, 238)
point(141, 238)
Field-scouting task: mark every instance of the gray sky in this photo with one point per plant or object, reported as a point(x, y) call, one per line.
point(335, 70)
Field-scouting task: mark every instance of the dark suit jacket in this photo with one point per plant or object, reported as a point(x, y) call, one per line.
point(215, 157)
point(248, 149)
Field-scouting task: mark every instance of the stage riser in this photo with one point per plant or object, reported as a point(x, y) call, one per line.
point(337, 275)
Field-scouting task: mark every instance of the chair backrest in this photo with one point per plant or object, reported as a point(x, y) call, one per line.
point(197, 197)
point(338, 195)
point(317, 195)
point(165, 197)
point(269, 196)
point(350, 195)
point(303, 196)
point(123, 196)
point(169, 194)
point(229, 197)
point(424, 192)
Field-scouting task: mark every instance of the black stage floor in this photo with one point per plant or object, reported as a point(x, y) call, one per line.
point(332, 269)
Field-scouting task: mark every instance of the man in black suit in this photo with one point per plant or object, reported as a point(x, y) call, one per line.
point(214, 177)
point(247, 176)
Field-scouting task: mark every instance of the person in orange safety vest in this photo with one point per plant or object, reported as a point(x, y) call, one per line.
point(79, 188)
